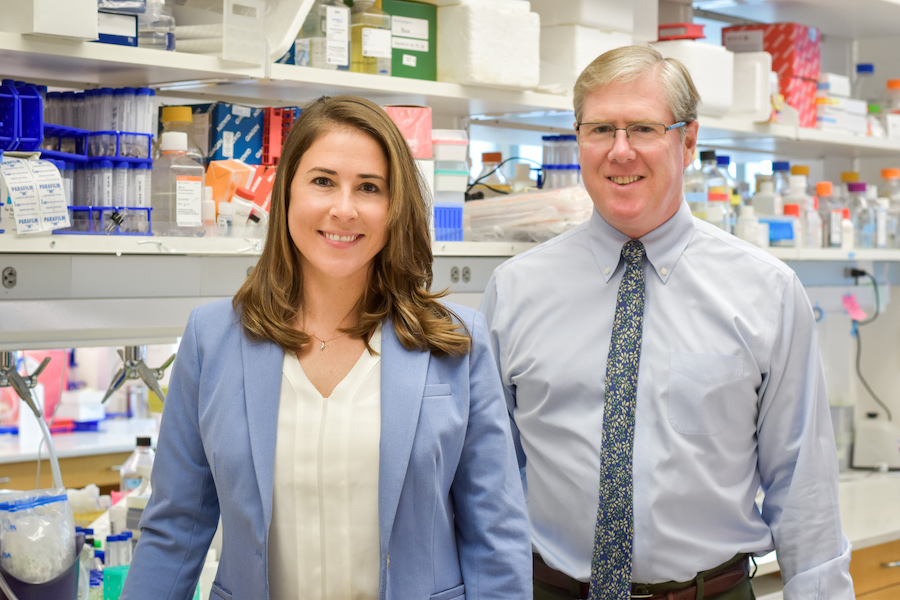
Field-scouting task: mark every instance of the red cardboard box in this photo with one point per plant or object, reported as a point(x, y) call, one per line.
point(801, 94)
point(415, 124)
point(795, 48)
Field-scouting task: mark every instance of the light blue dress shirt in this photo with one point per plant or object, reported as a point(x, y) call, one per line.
point(731, 396)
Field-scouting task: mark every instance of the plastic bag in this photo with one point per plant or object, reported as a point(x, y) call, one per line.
point(37, 535)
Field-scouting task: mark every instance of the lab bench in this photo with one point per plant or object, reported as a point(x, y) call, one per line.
point(85, 457)
point(870, 516)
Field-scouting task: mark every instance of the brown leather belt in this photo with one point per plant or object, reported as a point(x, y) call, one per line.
point(712, 585)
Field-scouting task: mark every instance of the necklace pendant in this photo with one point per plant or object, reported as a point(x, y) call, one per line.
point(322, 347)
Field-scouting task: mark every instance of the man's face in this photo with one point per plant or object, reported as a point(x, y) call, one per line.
point(635, 184)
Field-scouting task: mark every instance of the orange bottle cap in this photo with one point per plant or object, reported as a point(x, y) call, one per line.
point(824, 188)
point(890, 173)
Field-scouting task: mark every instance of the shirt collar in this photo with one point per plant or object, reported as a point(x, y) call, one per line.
point(664, 245)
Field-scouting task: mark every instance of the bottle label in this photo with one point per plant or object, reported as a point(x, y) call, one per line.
point(337, 34)
point(880, 228)
point(834, 228)
point(301, 52)
point(188, 201)
point(376, 43)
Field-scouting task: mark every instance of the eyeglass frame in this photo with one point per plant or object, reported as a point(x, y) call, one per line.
point(668, 128)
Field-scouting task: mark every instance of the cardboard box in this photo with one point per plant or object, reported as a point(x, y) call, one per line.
point(117, 28)
point(415, 125)
point(413, 39)
point(232, 130)
point(64, 18)
point(225, 176)
point(795, 48)
point(801, 94)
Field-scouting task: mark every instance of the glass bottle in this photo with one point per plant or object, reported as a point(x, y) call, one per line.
point(491, 181)
point(370, 39)
point(179, 118)
point(862, 213)
point(781, 174)
point(324, 39)
point(890, 189)
point(176, 189)
point(831, 211)
point(694, 189)
point(136, 466)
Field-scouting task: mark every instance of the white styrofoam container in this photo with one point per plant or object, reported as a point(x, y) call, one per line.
point(567, 49)
point(751, 98)
point(64, 18)
point(712, 69)
point(449, 145)
point(489, 43)
point(608, 15)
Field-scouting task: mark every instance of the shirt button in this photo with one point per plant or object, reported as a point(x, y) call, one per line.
point(606, 271)
point(664, 271)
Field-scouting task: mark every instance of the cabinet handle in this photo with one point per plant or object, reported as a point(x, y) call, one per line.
point(115, 468)
point(891, 565)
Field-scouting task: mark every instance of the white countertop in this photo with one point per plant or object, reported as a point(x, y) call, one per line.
point(114, 436)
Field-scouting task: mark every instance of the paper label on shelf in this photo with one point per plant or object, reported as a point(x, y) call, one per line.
point(54, 212)
point(228, 144)
point(188, 201)
point(410, 44)
point(409, 60)
point(376, 43)
point(409, 27)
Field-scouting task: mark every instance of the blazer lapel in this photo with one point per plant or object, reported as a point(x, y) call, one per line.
point(262, 363)
point(402, 385)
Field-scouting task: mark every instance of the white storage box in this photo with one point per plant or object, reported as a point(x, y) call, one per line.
point(608, 15)
point(450, 177)
point(450, 198)
point(711, 68)
point(751, 86)
point(449, 144)
point(65, 18)
point(489, 42)
point(567, 49)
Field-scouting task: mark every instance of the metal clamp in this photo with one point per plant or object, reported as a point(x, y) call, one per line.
point(134, 367)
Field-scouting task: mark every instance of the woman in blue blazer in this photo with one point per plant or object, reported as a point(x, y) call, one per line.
point(346, 425)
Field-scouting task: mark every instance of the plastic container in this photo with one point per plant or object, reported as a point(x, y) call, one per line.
point(177, 189)
point(370, 39)
point(156, 27)
point(831, 212)
point(766, 201)
point(781, 175)
point(31, 115)
point(448, 223)
point(62, 587)
point(179, 118)
point(864, 85)
point(893, 96)
point(141, 460)
point(712, 69)
point(890, 189)
point(862, 213)
point(718, 211)
point(747, 226)
point(10, 119)
point(491, 181)
point(449, 144)
point(450, 176)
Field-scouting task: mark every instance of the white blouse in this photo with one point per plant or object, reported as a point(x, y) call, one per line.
point(323, 540)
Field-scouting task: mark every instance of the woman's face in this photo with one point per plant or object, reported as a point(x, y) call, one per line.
point(338, 209)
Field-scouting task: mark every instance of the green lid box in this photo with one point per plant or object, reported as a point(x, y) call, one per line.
point(414, 39)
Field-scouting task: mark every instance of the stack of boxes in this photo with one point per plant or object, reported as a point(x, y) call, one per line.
point(450, 148)
point(836, 110)
point(575, 32)
point(796, 58)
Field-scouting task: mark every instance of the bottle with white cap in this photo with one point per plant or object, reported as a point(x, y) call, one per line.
point(177, 189)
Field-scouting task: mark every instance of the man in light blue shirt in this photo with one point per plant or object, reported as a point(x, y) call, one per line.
point(730, 391)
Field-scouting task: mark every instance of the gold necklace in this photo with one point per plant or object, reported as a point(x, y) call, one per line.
point(322, 347)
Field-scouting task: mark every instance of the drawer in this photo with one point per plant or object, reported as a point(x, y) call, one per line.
point(77, 472)
point(889, 593)
point(869, 573)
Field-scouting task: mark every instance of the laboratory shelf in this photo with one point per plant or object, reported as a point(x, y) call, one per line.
point(128, 244)
point(836, 254)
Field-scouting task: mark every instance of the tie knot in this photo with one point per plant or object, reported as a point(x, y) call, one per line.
point(633, 252)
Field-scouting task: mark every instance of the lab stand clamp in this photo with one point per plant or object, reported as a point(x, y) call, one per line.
point(22, 384)
point(134, 367)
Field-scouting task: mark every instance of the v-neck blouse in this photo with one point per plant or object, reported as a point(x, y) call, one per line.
point(323, 539)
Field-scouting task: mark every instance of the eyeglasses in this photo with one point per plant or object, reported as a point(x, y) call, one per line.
point(638, 134)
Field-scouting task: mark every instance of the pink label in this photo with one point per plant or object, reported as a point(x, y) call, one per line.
point(853, 309)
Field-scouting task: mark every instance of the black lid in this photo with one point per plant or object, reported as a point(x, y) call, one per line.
point(708, 155)
point(143, 441)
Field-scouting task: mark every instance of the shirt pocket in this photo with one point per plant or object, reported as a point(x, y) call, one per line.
point(700, 386)
point(437, 390)
point(219, 592)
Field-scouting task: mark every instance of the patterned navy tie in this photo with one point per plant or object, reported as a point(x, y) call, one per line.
point(611, 564)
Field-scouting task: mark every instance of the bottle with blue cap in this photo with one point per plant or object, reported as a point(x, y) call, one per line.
point(781, 176)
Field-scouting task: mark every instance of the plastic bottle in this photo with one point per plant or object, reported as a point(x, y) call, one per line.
point(847, 231)
point(864, 85)
point(324, 39)
point(179, 118)
point(370, 39)
point(793, 211)
point(812, 225)
point(718, 210)
point(695, 189)
point(491, 181)
point(130, 474)
point(881, 222)
point(722, 164)
point(781, 173)
point(177, 189)
point(862, 213)
point(209, 211)
point(242, 202)
point(893, 96)
point(831, 212)
point(767, 201)
point(747, 227)
point(875, 124)
point(156, 27)
point(890, 189)
point(841, 191)
point(522, 180)
point(804, 171)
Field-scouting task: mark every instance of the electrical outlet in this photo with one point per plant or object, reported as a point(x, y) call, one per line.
point(9, 277)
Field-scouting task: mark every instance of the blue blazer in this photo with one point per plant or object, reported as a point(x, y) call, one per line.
point(451, 509)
